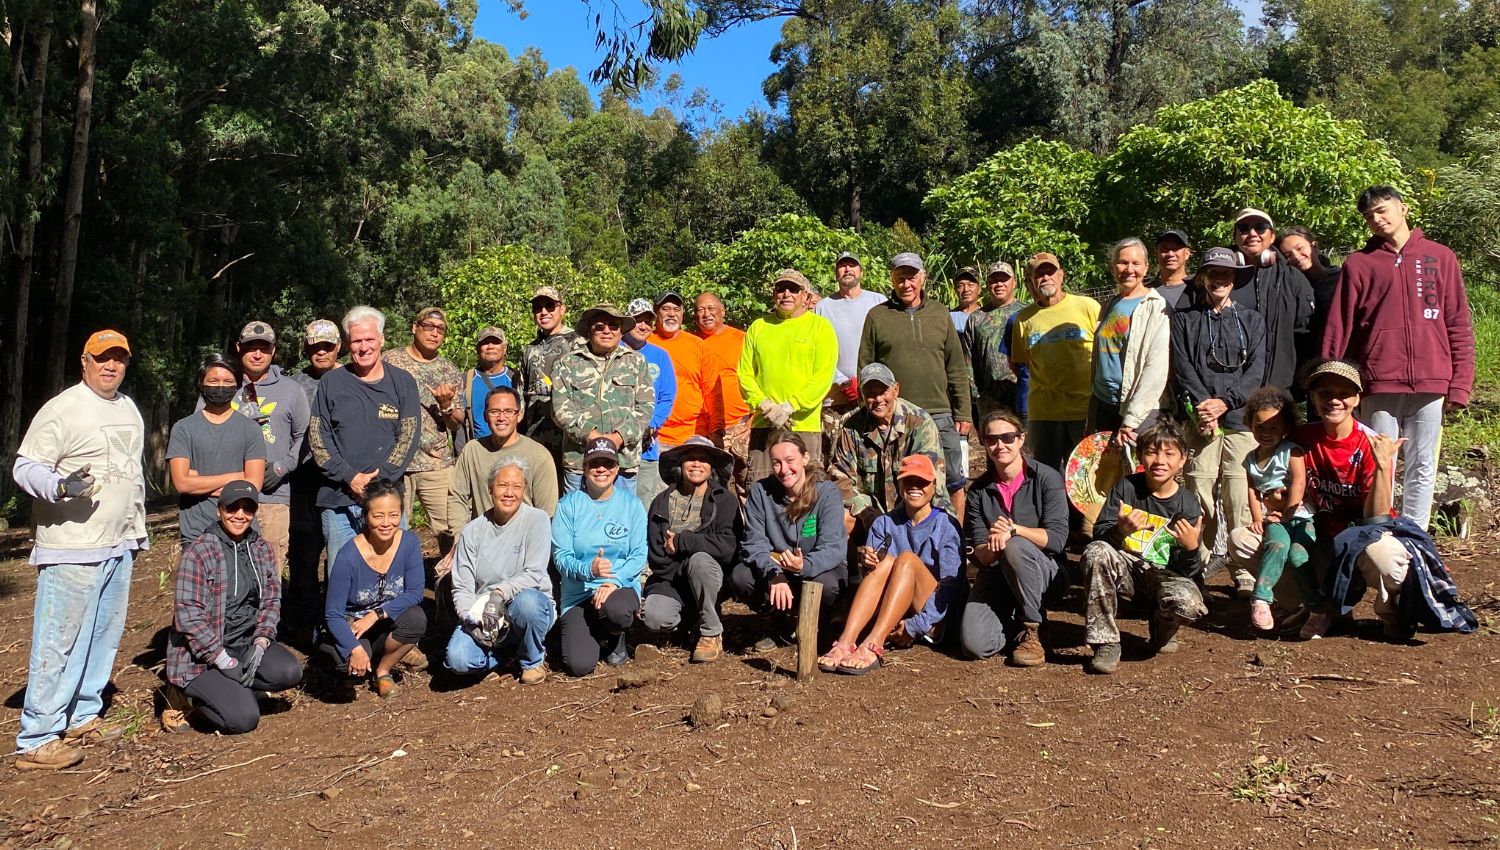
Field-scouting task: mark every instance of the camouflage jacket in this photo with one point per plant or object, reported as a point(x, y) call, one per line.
point(864, 462)
point(538, 365)
point(990, 353)
point(609, 393)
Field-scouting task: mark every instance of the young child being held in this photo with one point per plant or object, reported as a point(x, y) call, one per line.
point(1280, 523)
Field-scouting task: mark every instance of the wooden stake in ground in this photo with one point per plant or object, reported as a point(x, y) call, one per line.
point(807, 630)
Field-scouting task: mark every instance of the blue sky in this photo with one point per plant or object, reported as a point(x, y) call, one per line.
point(731, 67)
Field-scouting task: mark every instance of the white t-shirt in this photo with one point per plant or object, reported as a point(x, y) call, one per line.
point(847, 315)
point(78, 427)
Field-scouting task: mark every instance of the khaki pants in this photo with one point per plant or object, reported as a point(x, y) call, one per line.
point(432, 489)
point(276, 526)
point(1218, 466)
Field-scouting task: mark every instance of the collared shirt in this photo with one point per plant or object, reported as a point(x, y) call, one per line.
point(866, 458)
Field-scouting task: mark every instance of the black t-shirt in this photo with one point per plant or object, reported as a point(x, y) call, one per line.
point(1152, 544)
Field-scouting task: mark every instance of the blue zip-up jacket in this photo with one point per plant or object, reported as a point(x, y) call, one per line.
point(582, 526)
point(1429, 596)
point(664, 381)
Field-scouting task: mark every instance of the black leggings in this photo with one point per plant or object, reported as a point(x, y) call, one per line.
point(582, 627)
point(753, 588)
point(407, 628)
point(229, 705)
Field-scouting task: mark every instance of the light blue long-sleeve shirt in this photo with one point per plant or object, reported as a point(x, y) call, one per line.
point(582, 527)
point(664, 382)
point(938, 542)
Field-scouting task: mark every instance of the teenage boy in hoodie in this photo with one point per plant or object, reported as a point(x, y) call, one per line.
point(222, 648)
point(915, 337)
point(693, 530)
point(1401, 311)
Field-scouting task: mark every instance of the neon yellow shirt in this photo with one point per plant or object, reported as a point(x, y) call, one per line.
point(789, 360)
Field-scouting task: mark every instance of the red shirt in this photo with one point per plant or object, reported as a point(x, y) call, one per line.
point(1340, 474)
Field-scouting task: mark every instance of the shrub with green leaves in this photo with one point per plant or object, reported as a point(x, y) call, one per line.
point(1199, 162)
point(494, 287)
point(741, 271)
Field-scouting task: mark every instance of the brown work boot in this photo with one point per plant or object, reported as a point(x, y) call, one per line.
point(415, 659)
point(179, 707)
point(534, 675)
point(96, 729)
point(1029, 651)
point(709, 648)
point(53, 755)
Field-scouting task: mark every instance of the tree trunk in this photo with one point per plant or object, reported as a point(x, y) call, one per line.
point(67, 269)
point(12, 387)
point(854, 214)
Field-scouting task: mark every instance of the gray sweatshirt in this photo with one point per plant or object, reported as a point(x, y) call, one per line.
point(510, 557)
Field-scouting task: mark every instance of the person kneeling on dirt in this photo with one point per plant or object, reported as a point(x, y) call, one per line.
point(221, 649)
point(373, 615)
point(501, 589)
point(693, 532)
point(794, 534)
point(1145, 544)
point(1017, 526)
point(913, 573)
point(599, 546)
point(1350, 475)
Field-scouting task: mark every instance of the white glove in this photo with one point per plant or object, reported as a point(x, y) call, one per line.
point(778, 415)
point(486, 618)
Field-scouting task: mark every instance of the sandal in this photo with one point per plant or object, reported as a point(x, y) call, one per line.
point(876, 653)
point(830, 661)
point(385, 686)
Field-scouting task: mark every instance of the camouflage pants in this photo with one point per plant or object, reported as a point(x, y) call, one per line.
point(1110, 574)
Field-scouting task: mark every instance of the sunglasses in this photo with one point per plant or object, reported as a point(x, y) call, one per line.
point(603, 326)
point(786, 287)
point(1252, 227)
point(1008, 438)
point(246, 508)
point(544, 305)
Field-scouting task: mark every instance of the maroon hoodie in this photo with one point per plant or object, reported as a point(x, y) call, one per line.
point(1404, 316)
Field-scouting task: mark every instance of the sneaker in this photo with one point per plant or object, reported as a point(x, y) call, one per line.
point(1029, 651)
point(53, 755)
point(620, 654)
point(765, 644)
point(1260, 615)
point(1216, 564)
point(533, 675)
point(1164, 635)
point(1106, 659)
point(415, 659)
point(96, 729)
point(1244, 584)
point(709, 648)
point(179, 707)
point(1318, 623)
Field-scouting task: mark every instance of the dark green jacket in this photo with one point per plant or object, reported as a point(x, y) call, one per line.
point(924, 352)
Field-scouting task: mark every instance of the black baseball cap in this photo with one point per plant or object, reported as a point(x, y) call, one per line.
point(238, 491)
point(1174, 234)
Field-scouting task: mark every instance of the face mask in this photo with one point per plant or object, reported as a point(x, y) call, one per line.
point(218, 395)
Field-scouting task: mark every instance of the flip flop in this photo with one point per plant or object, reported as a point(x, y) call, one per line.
point(874, 650)
point(848, 648)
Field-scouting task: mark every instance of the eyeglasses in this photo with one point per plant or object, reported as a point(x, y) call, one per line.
point(506, 412)
point(1256, 226)
point(434, 327)
point(1008, 438)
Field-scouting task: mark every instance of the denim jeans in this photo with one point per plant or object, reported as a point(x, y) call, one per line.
point(75, 630)
point(1419, 418)
point(340, 525)
point(530, 616)
point(574, 481)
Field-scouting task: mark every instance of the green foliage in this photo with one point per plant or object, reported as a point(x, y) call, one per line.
point(1199, 162)
point(494, 287)
point(1465, 212)
point(1036, 196)
point(741, 271)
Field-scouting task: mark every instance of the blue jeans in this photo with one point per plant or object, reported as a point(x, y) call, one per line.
point(75, 631)
point(530, 615)
point(574, 481)
point(340, 525)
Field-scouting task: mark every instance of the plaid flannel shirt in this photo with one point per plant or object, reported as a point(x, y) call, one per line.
point(197, 634)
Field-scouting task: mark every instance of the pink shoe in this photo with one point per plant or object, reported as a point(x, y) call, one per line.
point(1260, 616)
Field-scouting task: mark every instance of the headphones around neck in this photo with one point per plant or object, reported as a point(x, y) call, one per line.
point(1267, 257)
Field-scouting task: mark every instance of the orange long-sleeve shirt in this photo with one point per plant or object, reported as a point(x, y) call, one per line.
point(726, 345)
point(699, 406)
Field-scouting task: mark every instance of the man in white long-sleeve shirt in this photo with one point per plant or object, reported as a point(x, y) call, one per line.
point(81, 461)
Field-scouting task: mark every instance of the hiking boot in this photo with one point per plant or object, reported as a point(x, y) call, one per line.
point(709, 648)
point(1106, 659)
point(765, 644)
point(1260, 616)
point(385, 687)
point(533, 675)
point(620, 654)
point(179, 707)
point(1029, 651)
point(1164, 635)
point(1244, 584)
point(53, 755)
point(1317, 625)
point(415, 659)
point(96, 729)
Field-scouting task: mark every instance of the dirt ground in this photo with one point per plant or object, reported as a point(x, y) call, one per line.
point(1233, 742)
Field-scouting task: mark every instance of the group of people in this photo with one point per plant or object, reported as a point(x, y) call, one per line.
point(631, 473)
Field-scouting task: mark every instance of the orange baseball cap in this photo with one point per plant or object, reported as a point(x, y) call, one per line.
point(917, 466)
point(103, 341)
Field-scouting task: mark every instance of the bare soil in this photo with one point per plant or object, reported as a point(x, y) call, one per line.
point(1232, 742)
